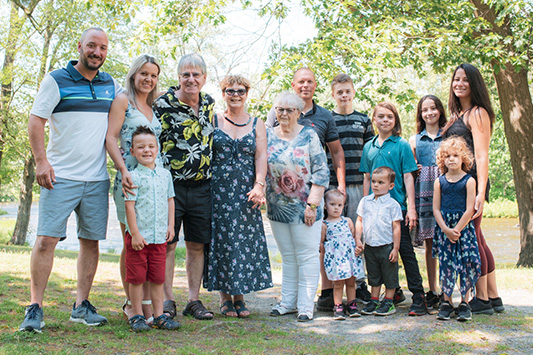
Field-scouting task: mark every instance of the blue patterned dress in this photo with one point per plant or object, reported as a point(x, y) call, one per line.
point(238, 257)
point(460, 259)
point(340, 261)
point(132, 119)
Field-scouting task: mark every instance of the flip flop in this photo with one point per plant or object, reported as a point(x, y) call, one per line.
point(240, 307)
point(229, 308)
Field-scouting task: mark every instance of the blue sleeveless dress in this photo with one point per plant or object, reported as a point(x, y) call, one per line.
point(132, 119)
point(340, 262)
point(460, 259)
point(238, 260)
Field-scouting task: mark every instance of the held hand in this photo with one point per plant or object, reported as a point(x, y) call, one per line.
point(411, 219)
point(127, 183)
point(170, 233)
point(309, 216)
point(478, 206)
point(359, 248)
point(256, 196)
point(138, 242)
point(393, 256)
point(45, 175)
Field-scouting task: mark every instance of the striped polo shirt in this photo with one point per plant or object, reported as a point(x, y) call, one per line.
point(76, 110)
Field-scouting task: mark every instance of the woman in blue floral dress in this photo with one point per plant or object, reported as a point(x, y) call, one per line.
point(128, 111)
point(238, 257)
point(297, 177)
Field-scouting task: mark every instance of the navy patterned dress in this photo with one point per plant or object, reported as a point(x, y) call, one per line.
point(460, 259)
point(238, 257)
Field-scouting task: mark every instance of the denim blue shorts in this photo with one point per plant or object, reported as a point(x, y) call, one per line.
point(90, 201)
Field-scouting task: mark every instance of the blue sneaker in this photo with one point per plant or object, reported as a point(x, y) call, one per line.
point(86, 313)
point(33, 319)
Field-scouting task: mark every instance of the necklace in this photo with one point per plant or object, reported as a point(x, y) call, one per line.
point(238, 124)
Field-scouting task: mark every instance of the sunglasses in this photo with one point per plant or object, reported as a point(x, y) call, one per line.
point(232, 92)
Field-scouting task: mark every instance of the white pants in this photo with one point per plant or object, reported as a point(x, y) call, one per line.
point(299, 248)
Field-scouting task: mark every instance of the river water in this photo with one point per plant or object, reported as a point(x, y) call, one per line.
point(502, 234)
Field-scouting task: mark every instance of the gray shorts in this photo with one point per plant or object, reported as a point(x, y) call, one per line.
point(379, 269)
point(90, 201)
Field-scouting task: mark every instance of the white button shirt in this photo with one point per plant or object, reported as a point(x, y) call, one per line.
point(378, 215)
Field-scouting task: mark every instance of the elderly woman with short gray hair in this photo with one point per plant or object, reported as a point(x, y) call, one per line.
point(297, 176)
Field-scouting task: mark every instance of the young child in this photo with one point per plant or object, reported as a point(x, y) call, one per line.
point(389, 149)
point(341, 264)
point(379, 217)
point(455, 240)
point(430, 118)
point(150, 224)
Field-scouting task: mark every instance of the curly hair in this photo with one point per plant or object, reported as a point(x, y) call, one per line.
point(454, 144)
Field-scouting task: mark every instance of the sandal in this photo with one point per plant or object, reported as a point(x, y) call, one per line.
point(229, 308)
point(169, 308)
point(150, 319)
point(197, 310)
point(240, 307)
point(127, 303)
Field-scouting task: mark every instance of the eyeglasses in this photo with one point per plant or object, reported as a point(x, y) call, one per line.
point(187, 75)
point(280, 110)
point(232, 92)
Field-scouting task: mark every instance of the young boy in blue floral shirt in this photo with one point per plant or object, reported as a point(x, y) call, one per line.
point(150, 225)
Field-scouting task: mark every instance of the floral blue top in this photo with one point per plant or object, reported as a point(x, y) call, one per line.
point(293, 166)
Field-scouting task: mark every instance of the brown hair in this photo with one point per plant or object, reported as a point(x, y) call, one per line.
point(454, 144)
point(333, 193)
point(142, 130)
point(231, 80)
point(420, 123)
point(397, 130)
point(341, 79)
point(385, 170)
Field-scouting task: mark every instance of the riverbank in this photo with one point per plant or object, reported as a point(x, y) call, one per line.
point(510, 332)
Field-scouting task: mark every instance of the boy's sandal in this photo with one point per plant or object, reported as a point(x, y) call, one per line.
point(164, 322)
point(228, 305)
point(197, 310)
point(127, 303)
point(240, 307)
point(169, 308)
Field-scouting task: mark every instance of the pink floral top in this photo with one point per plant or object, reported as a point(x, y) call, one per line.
point(293, 166)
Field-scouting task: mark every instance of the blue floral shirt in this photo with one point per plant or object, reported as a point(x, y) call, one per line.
point(293, 166)
point(154, 189)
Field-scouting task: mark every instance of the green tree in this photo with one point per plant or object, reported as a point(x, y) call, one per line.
point(371, 39)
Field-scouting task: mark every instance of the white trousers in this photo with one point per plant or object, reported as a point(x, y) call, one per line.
point(299, 248)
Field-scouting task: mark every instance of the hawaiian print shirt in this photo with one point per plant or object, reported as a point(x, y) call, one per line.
point(293, 166)
point(186, 139)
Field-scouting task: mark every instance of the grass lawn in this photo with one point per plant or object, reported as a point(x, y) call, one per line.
point(259, 334)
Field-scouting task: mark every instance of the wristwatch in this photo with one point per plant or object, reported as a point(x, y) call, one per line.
point(312, 205)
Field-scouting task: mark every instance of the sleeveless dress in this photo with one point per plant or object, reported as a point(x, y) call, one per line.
point(340, 262)
point(132, 119)
point(460, 259)
point(238, 260)
point(426, 151)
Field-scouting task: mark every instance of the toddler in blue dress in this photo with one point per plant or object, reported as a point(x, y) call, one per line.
point(341, 264)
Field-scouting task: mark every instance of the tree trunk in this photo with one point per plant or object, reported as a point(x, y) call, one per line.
point(517, 110)
point(23, 214)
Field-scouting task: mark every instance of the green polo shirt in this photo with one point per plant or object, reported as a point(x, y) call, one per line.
point(395, 153)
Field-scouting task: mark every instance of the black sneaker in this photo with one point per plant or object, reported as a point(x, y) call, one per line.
point(445, 311)
point(464, 312)
point(479, 307)
point(361, 293)
point(418, 308)
point(399, 297)
point(338, 312)
point(325, 304)
point(433, 300)
point(497, 304)
point(385, 308)
point(351, 309)
point(370, 308)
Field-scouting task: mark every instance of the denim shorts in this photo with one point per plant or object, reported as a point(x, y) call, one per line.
point(90, 201)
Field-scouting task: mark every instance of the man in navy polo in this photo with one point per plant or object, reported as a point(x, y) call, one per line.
point(72, 172)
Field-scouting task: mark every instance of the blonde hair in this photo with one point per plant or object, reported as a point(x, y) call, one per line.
point(130, 79)
point(231, 80)
point(455, 144)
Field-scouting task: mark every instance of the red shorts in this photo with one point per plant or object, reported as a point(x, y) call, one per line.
point(147, 264)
